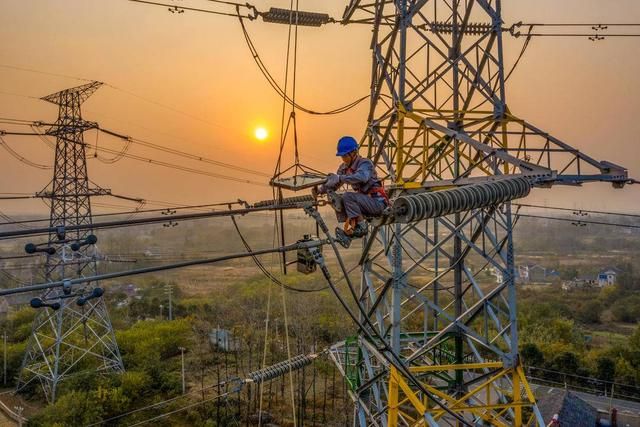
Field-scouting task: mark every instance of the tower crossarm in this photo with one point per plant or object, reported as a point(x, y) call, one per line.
point(571, 165)
point(77, 94)
point(91, 192)
point(66, 126)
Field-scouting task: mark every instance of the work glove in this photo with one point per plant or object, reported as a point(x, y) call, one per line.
point(333, 181)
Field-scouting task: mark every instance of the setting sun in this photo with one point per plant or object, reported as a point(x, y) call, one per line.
point(261, 134)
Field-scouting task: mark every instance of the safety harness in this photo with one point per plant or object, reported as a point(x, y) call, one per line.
point(376, 187)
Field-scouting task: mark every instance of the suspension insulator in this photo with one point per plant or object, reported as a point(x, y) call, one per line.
point(286, 201)
point(281, 368)
point(472, 28)
point(416, 207)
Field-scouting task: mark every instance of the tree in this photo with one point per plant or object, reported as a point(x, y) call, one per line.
point(567, 362)
point(627, 310)
point(532, 355)
point(626, 279)
point(75, 408)
point(606, 368)
point(590, 312)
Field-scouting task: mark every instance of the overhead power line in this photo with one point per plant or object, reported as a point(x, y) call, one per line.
point(109, 85)
point(154, 269)
point(169, 165)
point(129, 139)
point(20, 157)
point(264, 270)
point(149, 220)
point(177, 9)
point(594, 32)
point(582, 221)
point(47, 73)
point(148, 160)
point(280, 91)
point(204, 208)
point(182, 153)
point(525, 205)
point(274, 15)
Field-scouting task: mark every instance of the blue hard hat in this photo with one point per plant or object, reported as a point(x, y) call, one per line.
point(346, 145)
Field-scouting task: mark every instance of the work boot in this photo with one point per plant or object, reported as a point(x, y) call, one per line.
point(361, 229)
point(342, 238)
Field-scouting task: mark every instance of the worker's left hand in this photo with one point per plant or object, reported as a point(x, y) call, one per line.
point(333, 181)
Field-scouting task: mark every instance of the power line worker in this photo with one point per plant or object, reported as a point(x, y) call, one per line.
point(368, 198)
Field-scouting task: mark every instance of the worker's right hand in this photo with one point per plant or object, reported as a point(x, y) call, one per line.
point(333, 181)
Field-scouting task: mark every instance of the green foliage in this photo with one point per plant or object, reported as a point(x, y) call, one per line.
point(566, 361)
point(74, 408)
point(627, 309)
point(148, 342)
point(21, 321)
point(606, 368)
point(589, 312)
point(544, 326)
point(134, 383)
point(532, 355)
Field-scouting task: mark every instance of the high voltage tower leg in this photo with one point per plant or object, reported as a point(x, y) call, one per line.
point(439, 120)
point(64, 340)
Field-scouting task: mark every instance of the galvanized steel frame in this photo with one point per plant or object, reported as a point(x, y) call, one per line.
point(438, 118)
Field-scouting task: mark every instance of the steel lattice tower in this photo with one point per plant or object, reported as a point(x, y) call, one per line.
point(439, 120)
point(64, 340)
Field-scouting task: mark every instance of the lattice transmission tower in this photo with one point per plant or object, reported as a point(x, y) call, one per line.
point(439, 130)
point(72, 329)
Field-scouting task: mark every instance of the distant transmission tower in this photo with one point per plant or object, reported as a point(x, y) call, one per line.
point(439, 130)
point(72, 325)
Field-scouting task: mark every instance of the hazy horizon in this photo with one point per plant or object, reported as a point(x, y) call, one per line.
point(582, 92)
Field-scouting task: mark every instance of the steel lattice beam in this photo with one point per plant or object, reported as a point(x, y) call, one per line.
point(439, 118)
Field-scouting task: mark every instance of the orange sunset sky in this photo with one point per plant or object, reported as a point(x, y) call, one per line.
point(585, 93)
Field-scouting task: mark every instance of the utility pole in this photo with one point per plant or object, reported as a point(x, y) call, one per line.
point(4, 358)
point(72, 323)
point(161, 307)
point(19, 410)
point(168, 289)
point(184, 388)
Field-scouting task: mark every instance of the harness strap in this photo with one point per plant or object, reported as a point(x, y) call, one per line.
point(379, 191)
